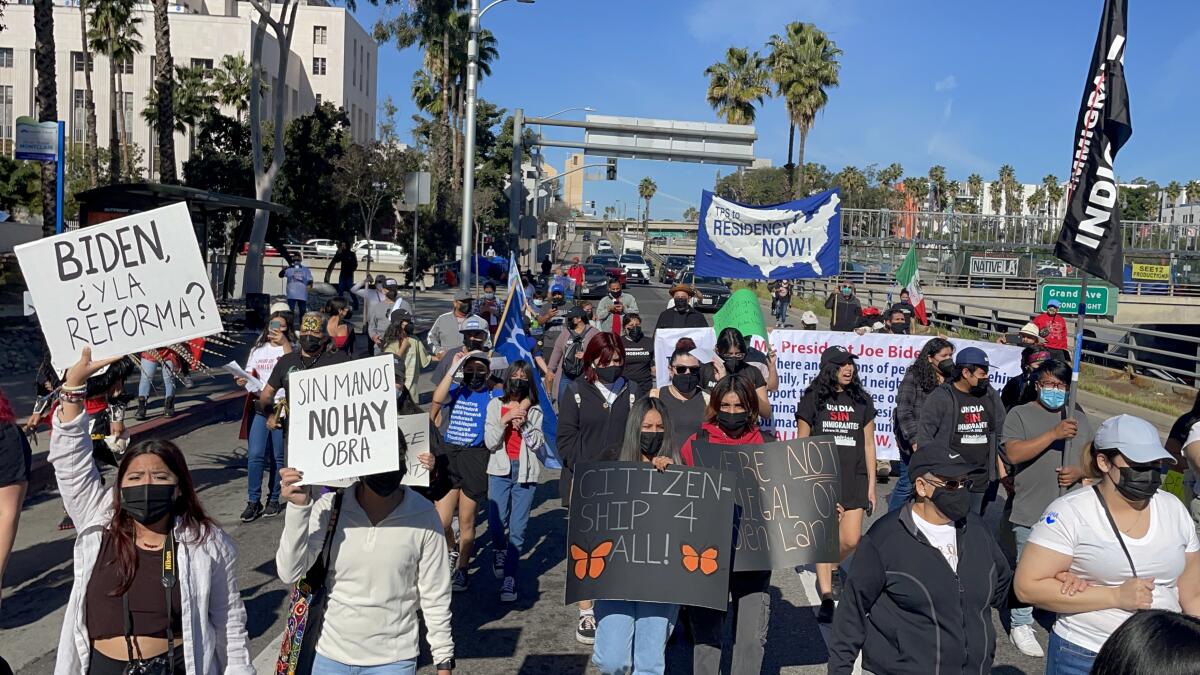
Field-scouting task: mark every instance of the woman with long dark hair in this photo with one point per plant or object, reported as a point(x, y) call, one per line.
point(16, 458)
point(513, 435)
point(922, 377)
point(730, 359)
point(1152, 642)
point(631, 636)
point(592, 413)
point(732, 418)
point(836, 404)
point(264, 446)
point(337, 325)
point(411, 355)
point(154, 575)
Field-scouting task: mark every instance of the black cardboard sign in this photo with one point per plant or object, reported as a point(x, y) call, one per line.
point(787, 495)
point(636, 533)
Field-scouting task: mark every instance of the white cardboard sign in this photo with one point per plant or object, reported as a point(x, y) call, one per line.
point(416, 436)
point(664, 346)
point(342, 420)
point(123, 286)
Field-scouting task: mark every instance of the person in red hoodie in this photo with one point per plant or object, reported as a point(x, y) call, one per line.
point(732, 418)
point(576, 273)
point(1052, 327)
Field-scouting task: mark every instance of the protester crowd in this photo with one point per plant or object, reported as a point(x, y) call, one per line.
point(1096, 539)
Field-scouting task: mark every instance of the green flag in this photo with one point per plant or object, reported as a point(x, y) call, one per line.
point(742, 311)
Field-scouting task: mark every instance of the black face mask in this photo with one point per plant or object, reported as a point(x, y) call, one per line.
point(615, 294)
point(518, 388)
point(635, 333)
point(946, 368)
point(650, 443)
point(732, 365)
point(465, 307)
point(1138, 484)
point(591, 314)
point(899, 329)
point(557, 302)
point(954, 504)
point(474, 379)
point(474, 344)
point(681, 305)
point(979, 388)
point(147, 503)
point(384, 484)
point(686, 383)
point(311, 344)
point(608, 374)
point(732, 423)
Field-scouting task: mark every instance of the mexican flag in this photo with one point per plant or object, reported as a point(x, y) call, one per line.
point(909, 278)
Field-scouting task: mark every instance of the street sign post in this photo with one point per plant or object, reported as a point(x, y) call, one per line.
point(416, 193)
point(1101, 298)
point(43, 142)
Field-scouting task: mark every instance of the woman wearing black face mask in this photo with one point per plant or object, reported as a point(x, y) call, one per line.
point(730, 359)
point(631, 636)
point(732, 418)
point(1135, 544)
point(683, 398)
point(312, 341)
point(187, 617)
point(592, 412)
point(514, 438)
point(639, 352)
point(925, 578)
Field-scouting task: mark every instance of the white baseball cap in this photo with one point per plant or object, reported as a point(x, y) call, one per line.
point(808, 318)
point(1133, 437)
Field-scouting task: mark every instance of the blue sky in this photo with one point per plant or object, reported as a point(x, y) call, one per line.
point(969, 85)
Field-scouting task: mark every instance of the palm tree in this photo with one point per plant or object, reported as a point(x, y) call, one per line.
point(114, 33)
point(917, 187)
point(164, 86)
point(691, 214)
point(91, 157)
point(1036, 200)
point(47, 101)
point(951, 198)
point(937, 184)
point(194, 98)
point(646, 189)
point(852, 182)
point(1012, 190)
point(1193, 191)
point(890, 174)
point(1054, 193)
point(231, 82)
point(802, 64)
point(736, 85)
point(1173, 190)
point(975, 188)
point(996, 196)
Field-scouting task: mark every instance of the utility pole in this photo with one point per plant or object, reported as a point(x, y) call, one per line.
point(516, 198)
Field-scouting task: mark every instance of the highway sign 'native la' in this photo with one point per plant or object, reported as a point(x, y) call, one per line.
point(1101, 297)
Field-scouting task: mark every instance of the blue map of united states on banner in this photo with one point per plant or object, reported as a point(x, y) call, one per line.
point(795, 240)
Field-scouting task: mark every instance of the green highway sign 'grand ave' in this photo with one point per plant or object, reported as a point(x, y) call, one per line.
point(1101, 297)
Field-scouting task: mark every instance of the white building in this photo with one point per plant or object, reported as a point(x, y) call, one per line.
point(1027, 190)
point(332, 59)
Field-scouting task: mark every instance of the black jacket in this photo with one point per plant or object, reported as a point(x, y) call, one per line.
point(908, 612)
point(846, 312)
point(670, 318)
point(588, 430)
point(938, 415)
point(906, 417)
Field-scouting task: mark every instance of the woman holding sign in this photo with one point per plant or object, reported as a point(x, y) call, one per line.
point(155, 590)
point(513, 435)
point(631, 636)
point(835, 404)
point(732, 419)
point(275, 341)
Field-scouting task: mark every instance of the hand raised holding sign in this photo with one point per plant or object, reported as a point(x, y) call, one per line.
point(85, 367)
point(290, 489)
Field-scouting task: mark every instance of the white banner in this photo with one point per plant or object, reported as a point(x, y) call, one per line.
point(664, 346)
point(123, 286)
point(882, 362)
point(994, 267)
point(416, 436)
point(342, 420)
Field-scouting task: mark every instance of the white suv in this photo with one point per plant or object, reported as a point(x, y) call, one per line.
point(379, 251)
point(635, 268)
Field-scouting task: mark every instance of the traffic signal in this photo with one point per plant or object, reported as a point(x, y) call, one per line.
point(611, 174)
point(592, 204)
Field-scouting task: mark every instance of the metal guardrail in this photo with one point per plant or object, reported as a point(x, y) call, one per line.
point(1106, 343)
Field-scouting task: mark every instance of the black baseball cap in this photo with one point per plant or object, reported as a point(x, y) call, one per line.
point(837, 355)
point(936, 458)
point(576, 312)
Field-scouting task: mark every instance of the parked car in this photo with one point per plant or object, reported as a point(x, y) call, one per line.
point(712, 292)
point(379, 251)
point(672, 268)
point(611, 266)
point(635, 268)
point(269, 251)
point(325, 247)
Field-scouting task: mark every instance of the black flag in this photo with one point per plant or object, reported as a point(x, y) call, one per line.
point(1091, 234)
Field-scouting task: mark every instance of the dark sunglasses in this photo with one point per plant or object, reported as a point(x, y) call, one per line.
point(951, 484)
point(685, 370)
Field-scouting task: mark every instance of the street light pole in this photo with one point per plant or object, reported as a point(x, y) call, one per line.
point(467, 241)
point(533, 243)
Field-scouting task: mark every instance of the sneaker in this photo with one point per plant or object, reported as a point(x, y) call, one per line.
point(1026, 641)
point(508, 590)
point(66, 523)
point(273, 509)
point(825, 614)
point(586, 632)
point(252, 512)
point(458, 582)
point(453, 559)
point(498, 561)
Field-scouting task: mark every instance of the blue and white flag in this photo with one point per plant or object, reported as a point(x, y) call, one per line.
point(513, 343)
point(795, 240)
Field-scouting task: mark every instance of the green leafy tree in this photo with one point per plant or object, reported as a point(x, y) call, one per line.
point(20, 185)
point(646, 189)
point(1193, 191)
point(114, 33)
point(853, 184)
point(803, 64)
point(690, 214)
point(1054, 193)
point(996, 196)
point(313, 145)
point(231, 83)
point(736, 85)
point(937, 187)
point(1036, 201)
point(975, 189)
point(755, 186)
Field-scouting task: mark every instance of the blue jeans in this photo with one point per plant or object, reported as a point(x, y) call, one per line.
point(261, 438)
point(298, 308)
point(1067, 658)
point(631, 636)
point(903, 490)
point(149, 367)
point(509, 502)
point(326, 666)
point(1021, 616)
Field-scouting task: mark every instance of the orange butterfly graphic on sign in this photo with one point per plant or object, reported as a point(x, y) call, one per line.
point(590, 564)
point(706, 562)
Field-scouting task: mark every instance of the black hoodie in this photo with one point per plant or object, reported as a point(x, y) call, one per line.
point(909, 612)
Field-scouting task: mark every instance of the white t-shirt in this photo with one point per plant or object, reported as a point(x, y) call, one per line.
point(942, 537)
point(262, 361)
point(1075, 525)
